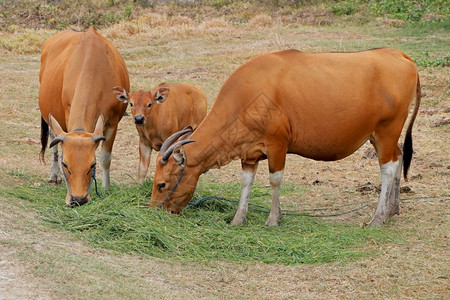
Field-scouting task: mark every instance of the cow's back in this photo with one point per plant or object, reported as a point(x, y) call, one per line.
point(342, 98)
point(324, 106)
point(188, 102)
point(54, 57)
point(195, 105)
point(77, 71)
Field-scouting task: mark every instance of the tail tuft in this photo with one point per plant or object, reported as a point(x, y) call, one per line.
point(407, 154)
point(44, 139)
point(408, 144)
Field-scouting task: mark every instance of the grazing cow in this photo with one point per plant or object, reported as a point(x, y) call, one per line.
point(78, 71)
point(184, 105)
point(320, 106)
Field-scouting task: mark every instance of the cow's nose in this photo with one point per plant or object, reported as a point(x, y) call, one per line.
point(78, 201)
point(139, 120)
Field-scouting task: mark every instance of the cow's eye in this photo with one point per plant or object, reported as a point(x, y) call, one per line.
point(91, 168)
point(66, 167)
point(149, 105)
point(131, 104)
point(161, 186)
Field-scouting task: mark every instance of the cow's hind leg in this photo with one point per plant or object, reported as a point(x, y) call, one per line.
point(394, 199)
point(55, 172)
point(248, 176)
point(391, 167)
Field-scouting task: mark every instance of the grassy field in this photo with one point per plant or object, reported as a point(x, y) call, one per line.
point(115, 247)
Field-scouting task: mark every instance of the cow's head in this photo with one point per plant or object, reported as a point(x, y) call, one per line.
point(174, 181)
point(141, 102)
point(78, 159)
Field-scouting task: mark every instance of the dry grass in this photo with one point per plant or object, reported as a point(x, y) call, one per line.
point(261, 20)
point(157, 27)
point(26, 41)
point(204, 53)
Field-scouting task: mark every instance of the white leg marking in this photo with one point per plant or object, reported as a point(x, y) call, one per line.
point(55, 173)
point(394, 199)
point(105, 161)
point(246, 181)
point(275, 210)
point(388, 172)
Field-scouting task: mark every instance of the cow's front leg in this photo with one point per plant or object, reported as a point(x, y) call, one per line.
point(145, 153)
point(276, 158)
point(55, 172)
point(105, 155)
point(275, 210)
point(248, 176)
point(105, 161)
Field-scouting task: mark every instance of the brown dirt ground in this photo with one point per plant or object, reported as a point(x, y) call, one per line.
point(417, 268)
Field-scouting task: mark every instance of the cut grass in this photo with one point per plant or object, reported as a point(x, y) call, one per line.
point(120, 221)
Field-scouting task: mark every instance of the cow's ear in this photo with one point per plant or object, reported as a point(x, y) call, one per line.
point(54, 126)
point(121, 94)
point(161, 95)
point(98, 130)
point(179, 155)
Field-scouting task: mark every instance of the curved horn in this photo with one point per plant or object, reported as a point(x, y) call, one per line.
point(56, 140)
point(169, 151)
point(171, 139)
point(97, 138)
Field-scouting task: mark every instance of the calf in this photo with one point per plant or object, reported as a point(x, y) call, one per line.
point(166, 109)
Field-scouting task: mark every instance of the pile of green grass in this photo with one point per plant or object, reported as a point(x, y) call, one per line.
point(121, 221)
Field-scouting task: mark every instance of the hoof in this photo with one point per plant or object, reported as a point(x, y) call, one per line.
point(238, 219)
point(273, 220)
point(393, 212)
point(270, 224)
point(55, 179)
point(376, 221)
point(236, 222)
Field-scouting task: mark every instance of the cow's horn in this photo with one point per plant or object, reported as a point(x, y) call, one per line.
point(169, 151)
point(97, 138)
point(171, 139)
point(56, 140)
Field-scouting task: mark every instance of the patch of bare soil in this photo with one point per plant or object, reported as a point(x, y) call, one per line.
point(12, 286)
point(16, 282)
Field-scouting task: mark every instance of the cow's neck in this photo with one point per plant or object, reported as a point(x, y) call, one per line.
point(83, 115)
point(218, 141)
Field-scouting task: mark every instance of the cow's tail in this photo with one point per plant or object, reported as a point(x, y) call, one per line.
point(408, 145)
point(44, 139)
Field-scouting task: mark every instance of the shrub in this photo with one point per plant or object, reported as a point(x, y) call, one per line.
point(410, 10)
point(345, 8)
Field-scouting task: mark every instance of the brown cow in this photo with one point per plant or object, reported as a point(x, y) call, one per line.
point(78, 71)
point(320, 106)
point(184, 105)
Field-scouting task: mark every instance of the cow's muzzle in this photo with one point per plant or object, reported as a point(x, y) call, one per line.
point(139, 120)
point(78, 201)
